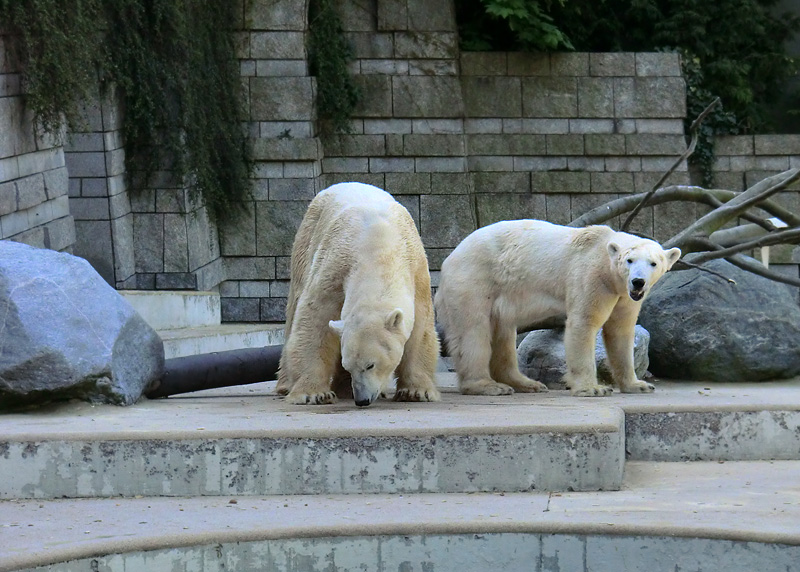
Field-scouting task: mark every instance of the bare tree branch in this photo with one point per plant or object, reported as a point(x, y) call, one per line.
point(694, 130)
point(684, 265)
point(712, 221)
point(753, 266)
point(788, 236)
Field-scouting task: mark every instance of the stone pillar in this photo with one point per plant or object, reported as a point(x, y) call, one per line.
point(34, 206)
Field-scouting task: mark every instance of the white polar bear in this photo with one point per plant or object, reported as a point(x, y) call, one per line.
point(359, 309)
point(513, 274)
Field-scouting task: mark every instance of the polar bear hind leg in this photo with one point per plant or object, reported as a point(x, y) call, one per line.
point(504, 367)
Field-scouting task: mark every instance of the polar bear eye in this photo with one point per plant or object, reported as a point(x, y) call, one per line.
point(369, 367)
point(653, 264)
point(630, 261)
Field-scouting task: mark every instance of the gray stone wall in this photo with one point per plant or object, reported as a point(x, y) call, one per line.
point(743, 160)
point(34, 205)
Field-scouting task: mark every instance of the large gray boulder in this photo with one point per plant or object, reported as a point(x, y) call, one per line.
point(704, 328)
point(65, 333)
point(541, 356)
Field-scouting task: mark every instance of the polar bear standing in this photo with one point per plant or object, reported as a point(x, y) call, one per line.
point(513, 274)
point(359, 307)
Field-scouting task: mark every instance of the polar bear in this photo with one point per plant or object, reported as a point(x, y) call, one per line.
point(360, 308)
point(513, 274)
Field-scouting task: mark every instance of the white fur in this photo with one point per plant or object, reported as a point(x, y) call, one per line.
point(515, 273)
point(359, 310)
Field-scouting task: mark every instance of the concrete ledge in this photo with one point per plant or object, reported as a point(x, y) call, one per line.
point(165, 310)
point(707, 516)
point(219, 338)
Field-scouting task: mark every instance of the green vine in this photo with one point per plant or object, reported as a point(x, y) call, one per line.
point(174, 63)
point(329, 55)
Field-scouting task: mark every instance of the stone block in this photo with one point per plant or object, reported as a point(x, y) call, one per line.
point(777, 144)
point(277, 46)
point(528, 64)
point(176, 281)
point(546, 126)
point(484, 63)
point(734, 145)
point(581, 204)
point(279, 288)
point(95, 245)
point(254, 289)
point(394, 144)
point(540, 163)
point(450, 183)
point(292, 189)
point(272, 150)
point(569, 64)
point(425, 45)
point(281, 98)
point(408, 183)
point(386, 126)
point(229, 289)
point(202, 238)
point(14, 223)
point(591, 126)
point(433, 145)
point(492, 96)
point(90, 209)
point(273, 309)
point(9, 169)
point(86, 164)
point(506, 144)
point(558, 208)
point(495, 183)
point(124, 256)
point(40, 161)
point(445, 220)
point(61, 233)
point(276, 224)
point(595, 97)
point(376, 179)
point(84, 142)
point(604, 144)
point(56, 182)
point(429, 126)
point(370, 45)
point(436, 256)
point(343, 145)
point(411, 204)
point(490, 163)
point(281, 68)
point(658, 64)
point(662, 97)
point(8, 198)
point(385, 66)
point(560, 182)
point(239, 309)
point(392, 16)
point(668, 126)
point(30, 191)
point(275, 15)
point(345, 165)
point(420, 96)
point(632, 164)
point(391, 165)
point(376, 96)
point(509, 206)
point(252, 268)
point(171, 201)
point(547, 97)
point(118, 205)
point(619, 64)
point(609, 183)
point(424, 16)
point(440, 164)
point(148, 242)
point(356, 16)
point(655, 144)
point(564, 144)
point(176, 245)
point(282, 267)
point(581, 163)
point(483, 125)
point(670, 219)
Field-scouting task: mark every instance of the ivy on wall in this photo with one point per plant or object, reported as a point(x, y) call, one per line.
point(174, 64)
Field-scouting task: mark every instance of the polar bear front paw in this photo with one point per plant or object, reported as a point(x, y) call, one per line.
point(486, 387)
point(323, 398)
point(639, 387)
point(529, 386)
point(417, 395)
point(593, 391)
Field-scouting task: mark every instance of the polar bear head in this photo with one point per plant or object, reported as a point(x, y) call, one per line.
point(372, 347)
point(640, 263)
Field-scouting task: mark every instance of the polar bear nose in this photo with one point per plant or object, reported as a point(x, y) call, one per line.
point(637, 283)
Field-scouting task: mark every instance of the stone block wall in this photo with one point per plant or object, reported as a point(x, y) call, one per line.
point(34, 206)
point(743, 160)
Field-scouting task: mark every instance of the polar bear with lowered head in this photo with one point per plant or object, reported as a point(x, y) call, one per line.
point(359, 310)
point(513, 274)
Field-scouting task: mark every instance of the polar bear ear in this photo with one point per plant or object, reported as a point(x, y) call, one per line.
point(673, 254)
point(337, 326)
point(394, 321)
point(613, 250)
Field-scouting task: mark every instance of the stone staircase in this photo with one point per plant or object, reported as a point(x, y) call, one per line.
point(693, 477)
point(189, 323)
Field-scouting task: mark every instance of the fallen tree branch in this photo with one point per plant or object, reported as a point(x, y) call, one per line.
point(694, 130)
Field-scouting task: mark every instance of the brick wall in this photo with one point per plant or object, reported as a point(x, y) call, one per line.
point(34, 205)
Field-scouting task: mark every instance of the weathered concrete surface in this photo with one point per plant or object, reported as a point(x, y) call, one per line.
point(693, 516)
point(226, 446)
point(66, 334)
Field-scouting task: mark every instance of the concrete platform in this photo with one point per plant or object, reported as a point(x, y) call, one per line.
point(206, 339)
point(668, 516)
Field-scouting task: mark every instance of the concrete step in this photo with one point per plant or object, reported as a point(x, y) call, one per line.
point(737, 516)
point(167, 310)
point(219, 338)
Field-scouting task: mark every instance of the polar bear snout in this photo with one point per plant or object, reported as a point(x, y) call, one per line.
point(364, 393)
